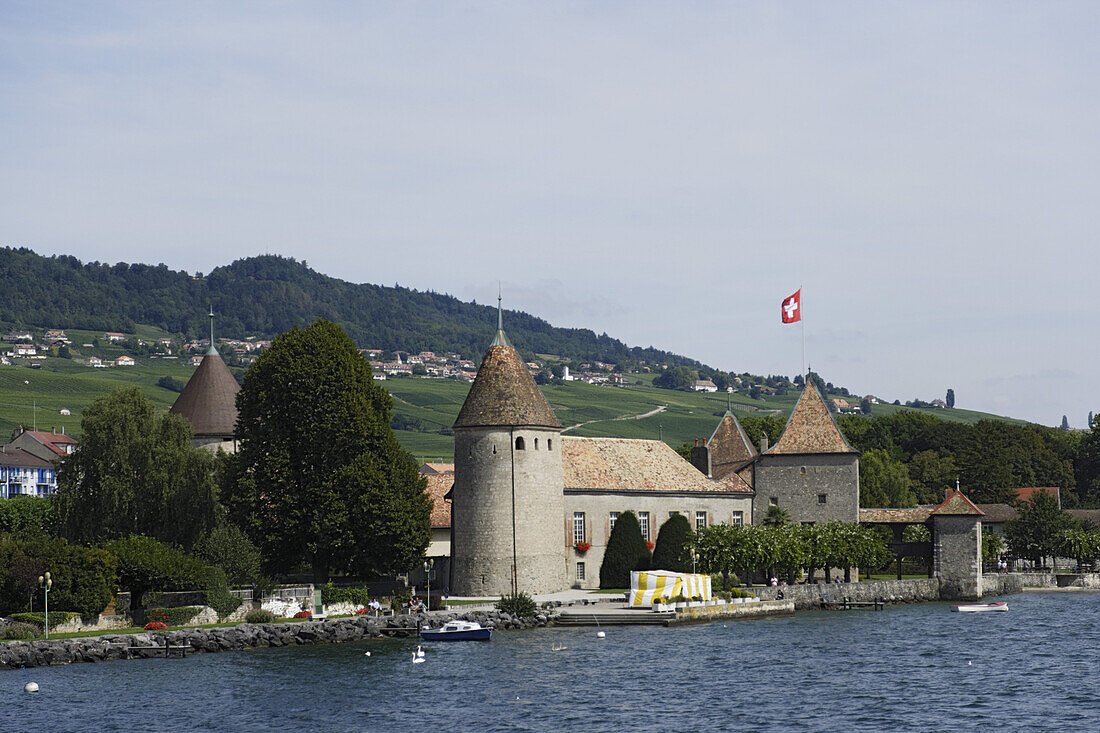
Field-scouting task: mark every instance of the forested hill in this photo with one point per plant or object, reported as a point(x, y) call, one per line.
point(263, 296)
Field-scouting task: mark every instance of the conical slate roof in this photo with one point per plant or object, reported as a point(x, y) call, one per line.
point(730, 449)
point(209, 401)
point(504, 394)
point(811, 429)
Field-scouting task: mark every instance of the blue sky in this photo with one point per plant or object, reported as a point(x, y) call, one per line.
point(664, 172)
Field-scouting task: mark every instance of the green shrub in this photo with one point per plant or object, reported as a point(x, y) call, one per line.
point(18, 631)
point(228, 548)
point(259, 616)
point(399, 601)
point(38, 618)
point(671, 551)
point(519, 604)
point(358, 595)
point(179, 616)
point(218, 596)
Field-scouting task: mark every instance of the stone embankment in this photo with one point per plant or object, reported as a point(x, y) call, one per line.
point(1074, 581)
point(892, 591)
point(243, 636)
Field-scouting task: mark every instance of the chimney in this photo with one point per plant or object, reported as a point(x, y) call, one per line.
point(700, 458)
point(763, 442)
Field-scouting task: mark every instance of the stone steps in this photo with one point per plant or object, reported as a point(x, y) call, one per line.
point(614, 618)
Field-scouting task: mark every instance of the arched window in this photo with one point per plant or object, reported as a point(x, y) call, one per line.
point(520, 444)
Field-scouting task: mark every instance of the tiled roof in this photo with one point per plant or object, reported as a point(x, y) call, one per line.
point(811, 429)
point(21, 459)
point(505, 395)
point(627, 464)
point(957, 505)
point(730, 449)
point(895, 516)
point(52, 440)
point(735, 482)
point(430, 468)
point(1025, 494)
point(209, 401)
point(438, 485)
point(998, 512)
point(1089, 516)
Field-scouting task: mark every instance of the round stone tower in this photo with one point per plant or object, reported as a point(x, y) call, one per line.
point(507, 505)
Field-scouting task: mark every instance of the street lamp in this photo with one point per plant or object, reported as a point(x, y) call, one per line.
point(45, 582)
point(694, 560)
point(428, 564)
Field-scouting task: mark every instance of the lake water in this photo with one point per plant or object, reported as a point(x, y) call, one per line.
point(912, 668)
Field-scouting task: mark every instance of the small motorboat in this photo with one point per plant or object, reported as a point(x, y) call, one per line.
point(457, 631)
point(980, 607)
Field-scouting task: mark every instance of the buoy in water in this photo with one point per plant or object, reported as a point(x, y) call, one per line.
point(366, 654)
point(600, 634)
point(30, 687)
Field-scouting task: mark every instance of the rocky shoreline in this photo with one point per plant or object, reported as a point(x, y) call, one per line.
point(109, 647)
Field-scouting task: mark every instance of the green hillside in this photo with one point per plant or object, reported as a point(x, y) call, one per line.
point(427, 407)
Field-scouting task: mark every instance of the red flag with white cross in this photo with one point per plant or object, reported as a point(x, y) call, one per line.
point(792, 307)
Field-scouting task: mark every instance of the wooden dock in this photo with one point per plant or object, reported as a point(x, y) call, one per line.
point(847, 604)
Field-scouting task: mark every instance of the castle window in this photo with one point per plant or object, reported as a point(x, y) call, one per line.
point(737, 519)
point(643, 520)
point(549, 444)
point(822, 498)
point(700, 520)
point(536, 443)
point(578, 527)
point(773, 501)
point(580, 571)
point(520, 445)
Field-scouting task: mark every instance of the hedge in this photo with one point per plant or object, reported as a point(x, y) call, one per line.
point(179, 616)
point(358, 595)
point(38, 618)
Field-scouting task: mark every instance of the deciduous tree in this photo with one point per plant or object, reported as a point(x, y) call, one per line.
point(135, 472)
point(320, 480)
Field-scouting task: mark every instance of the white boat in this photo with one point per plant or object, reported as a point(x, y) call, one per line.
point(457, 631)
point(980, 607)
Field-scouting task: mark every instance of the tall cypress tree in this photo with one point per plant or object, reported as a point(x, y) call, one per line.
point(626, 551)
point(671, 552)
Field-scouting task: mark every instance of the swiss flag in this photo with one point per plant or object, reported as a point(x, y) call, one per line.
point(792, 307)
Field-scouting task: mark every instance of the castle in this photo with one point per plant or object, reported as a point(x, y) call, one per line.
point(532, 510)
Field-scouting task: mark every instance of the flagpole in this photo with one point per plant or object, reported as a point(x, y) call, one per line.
point(805, 374)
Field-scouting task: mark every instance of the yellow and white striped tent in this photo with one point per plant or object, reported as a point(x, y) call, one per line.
point(645, 586)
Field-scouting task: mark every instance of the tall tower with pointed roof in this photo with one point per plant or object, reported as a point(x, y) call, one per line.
point(811, 472)
point(209, 401)
point(507, 500)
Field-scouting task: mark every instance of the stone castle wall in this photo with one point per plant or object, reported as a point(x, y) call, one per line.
point(797, 482)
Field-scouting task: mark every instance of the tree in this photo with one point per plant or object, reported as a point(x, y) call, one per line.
point(679, 377)
point(1090, 418)
point(1065, 422)
point(626, 551)
point(721, 381)
point(930, 475)
point(865, 406)
point(228, 548)
point(23, 514)
point(950, 400)
point(673, 542)
point(145, 564)
point(63, 352)
point(135, 473)
point(320, 479)
point(1082, 546)
point(83, 578)
point(776, 516)
point(1034, 533)
point(883, 481)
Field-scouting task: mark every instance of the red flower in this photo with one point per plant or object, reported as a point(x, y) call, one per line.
point(362, 612)
point(303, 614)
point(155, 626)
point(649, 545)
point(583, 546)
